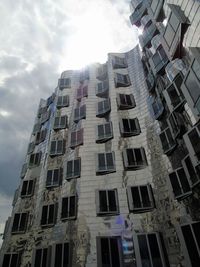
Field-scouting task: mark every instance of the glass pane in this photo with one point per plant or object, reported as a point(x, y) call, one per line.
point(51, 214)
point(14, 260)
point(66, 255)
point(108, 129)
point(191, 246)
point(101, 161)
point(72, 206)
point(59, 146)
point(44, 215)
point(62, 121)
point(44, 259)
point(164, 141)
point(6, 260)
point(173, 95)
point(136, 197)
point(131, 158)
point(100, 107)
point(115, 257)
point(56, 123)
point(196, 229)
point(128, 100)
point(56, 177)
point(145, 197)
point(53, 147)
point(30, 187)
point(175, 184)
point(191, 171)
point(126, 125)
point(195, 141)
point(144, 252)
point(58, 256)
point(16, 222)
point(138, 156)
point(77, 167)
point(65, 210)
point(69, 168)
point(22, 225)
point(110, 161)
point(103, 201)
point(112, 200)
point(192, 86)
point(133, 127)
point(38, 258)
point(105, 252)
point(183, 180)
point(24, 188)
point(65, 100)
point(100, 131)
point(155, 252)
point(122, 99)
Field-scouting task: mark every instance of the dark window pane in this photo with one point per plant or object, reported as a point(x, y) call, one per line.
point(175, 184)
point(145, 197)
point(192, 86)
point(109, 160)
point(138, 155)
point(66, 255)
point(77, 167)
point(103, 201)
point(122, 99)
point(196, 229)
point(100, 131)
point(191, 170)
point(14, 260)
point(130, 155)
point(112, 200)
point(24, 188)
point(69, 168)
point(16, 222)
point(6, 260)
point(30, 187)
point(72, 206)
point(195, 141)
point(108, 129)
point(56, 177)
point(38, 257)
point(114, 252)
point(65, 210)
point(44, 215)
point(126, 125)
point(49, 177)
point(191, 246)
point(128, 100)
point(184, 181)
point(22, 225)
point(101, 159)
point(44, 259)
point(53, 147)
point(51, 214)
point(58, 255)
point(136, 197)
point(144, 252)
point(59, 146)
point(105, 252)
point(155, 253)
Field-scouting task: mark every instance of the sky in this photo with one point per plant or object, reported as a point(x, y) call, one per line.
point(39, 40)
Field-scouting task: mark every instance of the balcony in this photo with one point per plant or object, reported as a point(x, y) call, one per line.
point(173, 94)
point(137, 14)
point(148, 34)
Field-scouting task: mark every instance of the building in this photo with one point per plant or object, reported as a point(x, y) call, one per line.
point(112, 171)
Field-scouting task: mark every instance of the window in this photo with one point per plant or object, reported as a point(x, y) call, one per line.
point(157, 108)
point(57, 147)
point(176, 124)
point(45, 116)
point(69, 208)
point(191, 235)
point(192, 140)
point(122, 80)
point(40, 136)
point(180, 184)
point(81, 92)
point(73, 168)
point(104, 132)
point(50, 99)
point(119, 62)
point(24, 170)
point(125, 101)
point(168, 143)
point(106, 163)
point(62, 255)
point(64, 83)
point(27, 188)
point(140, 198)
point(11, 260)
point(76, 138)
point(31, 147)
point(84, 75)
point(134, 158)
point(103, 108)
point(34, 159)
point(102, 72)
point(36, 128)
point(41, 257)
point(191, 173)
point(159, 59)
point(107, 202)
point(173, 94)
point(54, 177)
point(102, 89)
point(109, 251)
point(80, 113)
point(150, 251)
point(41, 111)
point(20, 222)
point(49, 214)
point(60, 122)
point(129, 127)
point(63, 101)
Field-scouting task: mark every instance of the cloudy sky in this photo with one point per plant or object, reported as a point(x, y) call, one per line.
point(38, 40)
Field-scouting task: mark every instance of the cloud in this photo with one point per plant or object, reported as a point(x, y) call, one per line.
point(38, 40)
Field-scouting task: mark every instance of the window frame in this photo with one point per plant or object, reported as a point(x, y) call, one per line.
point(56, 152)
point(101, 72)
point(77, 142)
point(119, 62)
point(17, 264)
point(103, 111)
point(63, 103)
point(66, 83)
point(68, 217)
point(98, 204)
point(73, 175)
point(122, 80)
point(48, 257)
point(18, 231)
point(130, 133)
point(53, 171)
point(59, 125)
point(81, 113)
point(106, 170)
point(103, 91)
point(172, 146)
point(70, 253)
point(105, 137)
point(45, 116)
point(36, 159)
point(81, 92)
point(30, 183)
point(122, 106)
point(195, 180)
point(40, 136)
point(143, 164)
point(47, 223)
point(140, 209)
